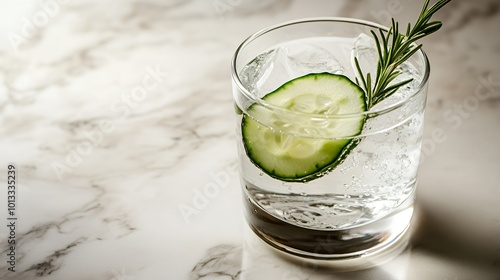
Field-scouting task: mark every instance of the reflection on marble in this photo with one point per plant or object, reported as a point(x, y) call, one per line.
point(123, 176)
point(221, 261)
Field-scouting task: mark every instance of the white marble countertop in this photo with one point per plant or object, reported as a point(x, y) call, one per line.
point(117, 114)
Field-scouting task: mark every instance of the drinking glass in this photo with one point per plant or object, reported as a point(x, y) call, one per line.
point(363, 203)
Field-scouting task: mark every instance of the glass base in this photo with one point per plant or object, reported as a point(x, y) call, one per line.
point(361, 241)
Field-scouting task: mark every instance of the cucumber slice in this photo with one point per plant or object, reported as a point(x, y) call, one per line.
point(280, 152)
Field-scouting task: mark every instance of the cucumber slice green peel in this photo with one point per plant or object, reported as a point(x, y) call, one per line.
point(280, 152)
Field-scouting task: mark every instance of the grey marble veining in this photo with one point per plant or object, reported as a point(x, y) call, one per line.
point(220, 261)
point(118, 114)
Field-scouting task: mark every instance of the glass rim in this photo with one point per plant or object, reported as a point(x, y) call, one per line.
point(372, 112)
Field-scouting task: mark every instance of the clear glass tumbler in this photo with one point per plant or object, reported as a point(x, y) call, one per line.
point(363, 203)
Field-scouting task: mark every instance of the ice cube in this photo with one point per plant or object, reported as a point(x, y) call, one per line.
point(255, 72)
point(266, 72)
point(408, 72)
point(304, 59)
point(272, 69)
point(365, 51)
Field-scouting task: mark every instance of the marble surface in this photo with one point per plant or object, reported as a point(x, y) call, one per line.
point(117, 114)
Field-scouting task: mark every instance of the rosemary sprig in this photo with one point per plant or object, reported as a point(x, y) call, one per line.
point(393, 49)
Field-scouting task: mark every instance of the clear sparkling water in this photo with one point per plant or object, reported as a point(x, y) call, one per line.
point(377, 176)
